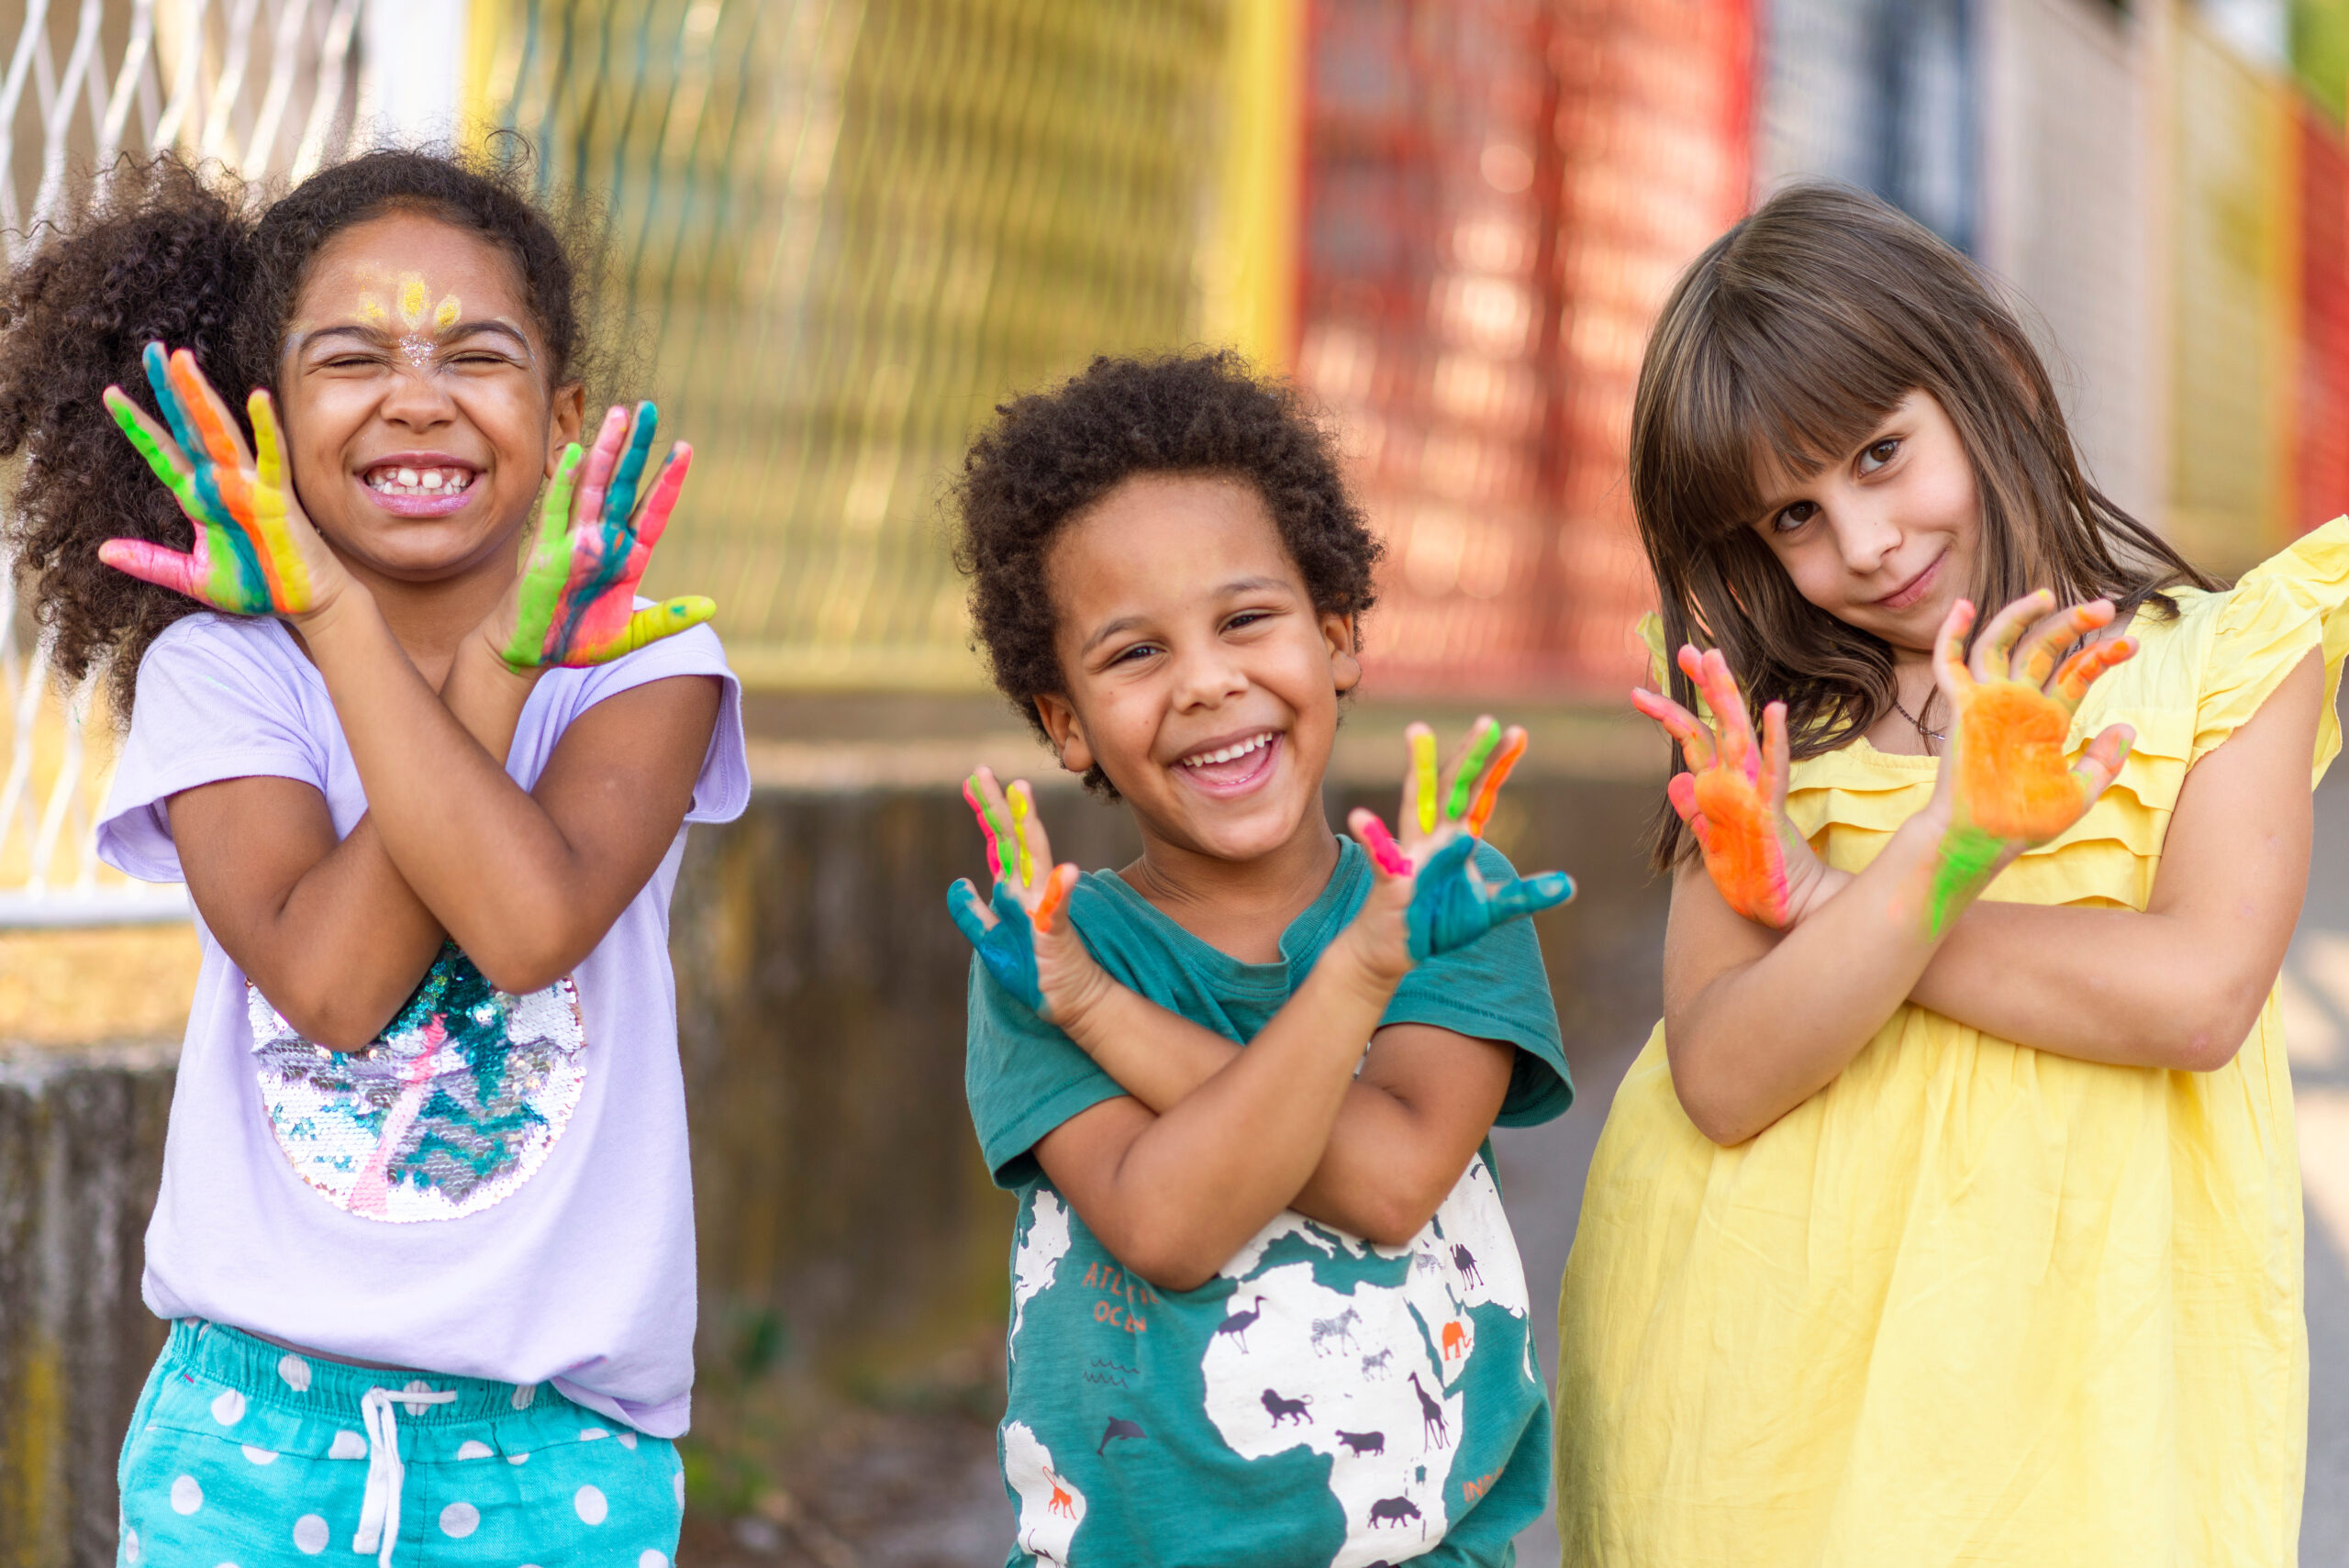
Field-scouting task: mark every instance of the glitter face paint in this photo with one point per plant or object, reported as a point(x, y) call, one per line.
point(578, 589)
point(245, 561)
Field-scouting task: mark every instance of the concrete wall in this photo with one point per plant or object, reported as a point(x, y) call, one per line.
point(851, 1247)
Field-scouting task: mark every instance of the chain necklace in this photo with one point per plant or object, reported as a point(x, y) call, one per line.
point(1940, 735)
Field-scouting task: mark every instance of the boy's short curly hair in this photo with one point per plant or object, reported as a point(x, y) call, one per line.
point(1051, 455)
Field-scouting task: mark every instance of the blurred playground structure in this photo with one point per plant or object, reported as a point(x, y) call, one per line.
point(845, 228)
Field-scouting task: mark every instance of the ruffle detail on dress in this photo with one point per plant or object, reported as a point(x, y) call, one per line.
point(2280, 609)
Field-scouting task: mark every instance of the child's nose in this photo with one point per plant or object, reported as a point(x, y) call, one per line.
point(1208, 675)
point(1865, 539)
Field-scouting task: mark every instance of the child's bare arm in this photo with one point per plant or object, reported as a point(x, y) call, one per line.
point(2180, 985)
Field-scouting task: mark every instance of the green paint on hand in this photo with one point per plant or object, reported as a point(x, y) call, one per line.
point(1464, 785)
point(1966, 854)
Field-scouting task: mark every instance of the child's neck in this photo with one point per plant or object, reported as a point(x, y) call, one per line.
point(1240, 907)
point(431, 619)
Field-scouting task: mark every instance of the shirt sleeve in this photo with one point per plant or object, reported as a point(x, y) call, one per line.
point(1024, 1078)
point(723, 790)
point(2281, 611)
point(212, 703)
point(1496, 988)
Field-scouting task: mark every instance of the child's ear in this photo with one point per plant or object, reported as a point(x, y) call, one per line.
point(569, 417)
point(1068, 734)
point(1346, 664)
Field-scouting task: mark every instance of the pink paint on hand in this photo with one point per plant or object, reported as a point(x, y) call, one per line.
point(1383, 849)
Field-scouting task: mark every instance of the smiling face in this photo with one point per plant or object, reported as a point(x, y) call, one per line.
point(1199, 674)
point(418, 400)
point(1887, 540)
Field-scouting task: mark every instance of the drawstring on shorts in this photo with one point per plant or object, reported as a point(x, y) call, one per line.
point(379, 1513)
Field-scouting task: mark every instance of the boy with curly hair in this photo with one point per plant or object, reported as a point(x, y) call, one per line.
point(1266, 1307)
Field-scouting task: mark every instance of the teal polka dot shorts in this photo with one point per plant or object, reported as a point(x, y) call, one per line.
point(243, 1455)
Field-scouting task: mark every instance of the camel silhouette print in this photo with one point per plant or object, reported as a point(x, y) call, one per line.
point(1465, 1262)
point(1288, 1409)
point(1438, 1430)
point(1239, 1323)
point(1117, 1429)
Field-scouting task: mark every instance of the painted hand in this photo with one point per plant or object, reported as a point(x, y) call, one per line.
point(2004, 775)
point(1021, 935)
point(1735, 799)
point(1443, 814)
point(255, 553)
point(574, 603)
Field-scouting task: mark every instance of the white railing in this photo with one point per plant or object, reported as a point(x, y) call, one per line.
point(265, 87)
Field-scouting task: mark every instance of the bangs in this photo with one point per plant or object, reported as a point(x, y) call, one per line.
point(1770, 383)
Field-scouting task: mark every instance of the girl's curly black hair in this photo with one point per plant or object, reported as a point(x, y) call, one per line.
point(194, 258)
point(1050, 455)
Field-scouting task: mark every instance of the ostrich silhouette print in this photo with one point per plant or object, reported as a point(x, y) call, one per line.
point(1288, 1409)
point(1238, 1324)
point(1438, 1432)
point(1119, 1431)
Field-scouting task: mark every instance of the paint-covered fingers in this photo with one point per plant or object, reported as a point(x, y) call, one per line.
point(2044, 647)
point(269, 441)
point(619, 502)
point(986, 801)
point(970, 912)
point(208, 413)
point(1497, 772)
point(1054, 897)
point(1993, 650)
point(2102, 762)
point(150, 440)
point(153, 563)
point(2082, 669)
point(661, 499)
point(1695, 740)
point(1732, 729)
point(1458, 785)
point(1421, 785)
point(1777, 766)
point(1948, 652)
point(594, 475)
point(1530, 895)
point(1384, 852)
point(665, 619)
point(1681, 791)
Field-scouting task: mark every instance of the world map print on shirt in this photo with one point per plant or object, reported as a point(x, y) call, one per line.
point(1349, 1403)
point(451, 1108)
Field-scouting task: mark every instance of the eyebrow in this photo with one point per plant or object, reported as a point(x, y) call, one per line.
point(378, 335)
point(1236, 585)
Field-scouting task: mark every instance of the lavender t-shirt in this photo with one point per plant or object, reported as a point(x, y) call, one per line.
point(498, 1187)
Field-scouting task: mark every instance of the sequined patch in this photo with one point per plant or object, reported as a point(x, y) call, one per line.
point(452, 1107)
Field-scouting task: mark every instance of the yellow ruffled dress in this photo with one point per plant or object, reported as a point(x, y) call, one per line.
point(1970, 1303)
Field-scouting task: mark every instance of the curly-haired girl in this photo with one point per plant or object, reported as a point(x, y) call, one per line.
point(424, 1225)
point(1951, 1214)
point(1266, 1306)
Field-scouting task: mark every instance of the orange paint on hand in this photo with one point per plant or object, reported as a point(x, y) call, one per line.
point(1488, 793)
point(2013, 778)
point(1056, 891)
point(1738, 833)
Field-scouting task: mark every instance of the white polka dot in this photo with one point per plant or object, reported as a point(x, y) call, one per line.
point(524, 1394)
point(650, 1559)
point(347, 1445)
point(473, 1448)
point(295, 1372)
point(589, 1502)
point(310, 1535)
point(261, 1455)
point(589, 1434)
point(518, 1459)
point(459, 1520)
point(186, 1496)
point(130, 1545)
point(628, 1439)
point(680, 1479)
point(228, 1408)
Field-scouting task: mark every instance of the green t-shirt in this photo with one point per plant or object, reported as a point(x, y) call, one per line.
point(1323, 1400)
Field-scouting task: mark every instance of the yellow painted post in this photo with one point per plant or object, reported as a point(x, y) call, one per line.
point(1248, 276)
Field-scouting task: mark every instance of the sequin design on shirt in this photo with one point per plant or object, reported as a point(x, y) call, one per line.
point(452, 1107)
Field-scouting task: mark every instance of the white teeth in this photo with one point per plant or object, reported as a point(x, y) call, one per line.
point(409, 482)
point(1230, 753)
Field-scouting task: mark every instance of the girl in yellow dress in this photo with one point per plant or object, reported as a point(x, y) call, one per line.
point(1952, 1214)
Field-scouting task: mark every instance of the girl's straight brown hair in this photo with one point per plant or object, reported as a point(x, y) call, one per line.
point(1783, 346)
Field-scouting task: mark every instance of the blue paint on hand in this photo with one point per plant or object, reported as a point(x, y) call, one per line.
point(1454, 904)
point(1008, 947)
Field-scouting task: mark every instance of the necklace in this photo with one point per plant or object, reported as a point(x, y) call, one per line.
point(1942, 735)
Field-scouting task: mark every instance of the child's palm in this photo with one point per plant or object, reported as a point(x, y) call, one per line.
point(575, 601)
point(1734, 800)
point(255, 553)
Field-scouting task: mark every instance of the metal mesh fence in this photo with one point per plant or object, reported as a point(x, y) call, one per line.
point(265, 87)
point(847, 230)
